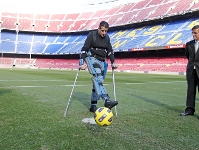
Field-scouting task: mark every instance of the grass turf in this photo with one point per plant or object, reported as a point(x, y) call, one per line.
point(32, 104)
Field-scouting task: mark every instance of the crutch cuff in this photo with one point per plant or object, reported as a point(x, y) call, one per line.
point(81, 62)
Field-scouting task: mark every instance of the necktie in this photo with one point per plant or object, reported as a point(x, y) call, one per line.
point(196, 46)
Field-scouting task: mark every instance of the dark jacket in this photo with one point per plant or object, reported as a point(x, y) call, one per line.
point(193, 58)
point(100, 43)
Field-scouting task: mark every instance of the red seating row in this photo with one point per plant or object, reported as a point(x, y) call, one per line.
point(119, 15)
point(175, 64)
point(57, 63)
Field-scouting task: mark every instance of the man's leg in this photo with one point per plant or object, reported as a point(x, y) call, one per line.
point(101, 68)
point(96, 68)
point(191, 95)
point(191, 92)
point(94, 99)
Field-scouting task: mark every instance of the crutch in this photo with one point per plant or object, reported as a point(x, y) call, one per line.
point(113, 76)
point(71, 93)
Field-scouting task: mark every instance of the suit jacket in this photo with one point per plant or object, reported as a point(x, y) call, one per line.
point(193, 58)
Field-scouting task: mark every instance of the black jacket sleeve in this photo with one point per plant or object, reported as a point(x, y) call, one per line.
point(110, 51)
point(186, 51)
point(87, 45)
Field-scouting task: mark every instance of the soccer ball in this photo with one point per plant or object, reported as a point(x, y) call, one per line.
point(103, 116)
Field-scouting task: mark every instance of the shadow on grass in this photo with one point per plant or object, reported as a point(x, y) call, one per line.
point(160, 104)
point(4, 91)
point(83, 98)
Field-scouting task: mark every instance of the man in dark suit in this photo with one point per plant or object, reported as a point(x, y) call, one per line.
point(192, 71)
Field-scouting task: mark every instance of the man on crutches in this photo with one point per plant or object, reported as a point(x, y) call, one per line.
point(96, 47)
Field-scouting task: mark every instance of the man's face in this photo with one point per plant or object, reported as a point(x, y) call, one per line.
point(195, 33)
point(102, 31)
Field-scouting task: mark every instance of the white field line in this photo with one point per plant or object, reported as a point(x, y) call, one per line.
point(158, 82)
point(37, 86)
point(31, 80)
point(45, 86)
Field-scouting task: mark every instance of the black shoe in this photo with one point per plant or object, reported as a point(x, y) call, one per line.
point(110, 104)
point(186, 114)
point(93, 108)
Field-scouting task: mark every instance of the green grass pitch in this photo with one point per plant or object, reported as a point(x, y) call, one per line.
point(32, 105)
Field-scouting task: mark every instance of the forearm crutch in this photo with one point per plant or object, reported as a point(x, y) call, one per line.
point(113, 76)
point(71, 93)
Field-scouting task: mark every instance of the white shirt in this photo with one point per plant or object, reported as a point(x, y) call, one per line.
point(196, 48)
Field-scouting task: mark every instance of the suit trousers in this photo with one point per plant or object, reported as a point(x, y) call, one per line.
point(192, 83)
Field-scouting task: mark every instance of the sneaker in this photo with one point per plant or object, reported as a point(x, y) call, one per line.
point(93, 108)
point(110, 104)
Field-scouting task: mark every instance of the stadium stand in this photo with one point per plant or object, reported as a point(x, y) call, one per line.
point(56, 63)
point(132, 12)
point(195, 5)
point(161, 10)
point(180, 6)
point(125, 8)
point(138, 63)
point(85, 15)
point(53, 34)
point(162, 34)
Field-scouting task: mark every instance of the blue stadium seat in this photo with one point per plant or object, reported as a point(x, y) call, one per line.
point(38, 48)
point(174, 26)
point(53, 48)
point(25, 37)
point(8, 36)
point(72, 38)
point(39, 38)
point(81, 38)
point(51, 38)
point(71, 48)
point(23, 48)
point(7, 47)
point(61, 39)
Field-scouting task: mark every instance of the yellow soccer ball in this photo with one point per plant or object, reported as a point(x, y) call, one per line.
point(103, 116)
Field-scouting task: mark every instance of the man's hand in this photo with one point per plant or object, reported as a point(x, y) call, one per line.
point(82, 67)
point(114, 66)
